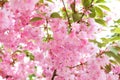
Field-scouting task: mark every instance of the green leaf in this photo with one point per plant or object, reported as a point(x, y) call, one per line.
point(100, 1)
point(0, 59)
point(35, 19)
point(86, 3)
point(105, 40)
point(115, 38)
point(109, 53)
point(1, 47)
point(63, 14)
point(28, 54)
point(101, 21)
point(76, 16)
point(117, 21)
point(113, 61)
point(31, 76)
point(117, 48)
point(115, 56)
point(99, 12)
point(104, 7)
point(31, 56)
point(55, 15)
point(112, 39)
point(92, 14)
point(18, 51)
point(50, 0)
point(114, 50)
point(98, 43)
point(108, 68)
point(116, 30)
point(41, 1)
point(95, 1)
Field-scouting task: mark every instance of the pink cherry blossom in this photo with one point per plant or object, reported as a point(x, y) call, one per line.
point(26, 45)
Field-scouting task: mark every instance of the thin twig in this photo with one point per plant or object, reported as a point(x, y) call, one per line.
point(67, 15)
point(74, 5)
point(46, 26)
point(92, 2)
point(81, 64)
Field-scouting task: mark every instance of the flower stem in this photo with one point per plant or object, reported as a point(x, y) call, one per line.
point(67, 15)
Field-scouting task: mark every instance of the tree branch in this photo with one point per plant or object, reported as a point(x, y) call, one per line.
point(54, 74)
point(85, 63)
point(74, 5)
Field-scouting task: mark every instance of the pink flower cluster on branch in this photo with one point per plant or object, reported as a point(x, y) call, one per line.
point(31, 40)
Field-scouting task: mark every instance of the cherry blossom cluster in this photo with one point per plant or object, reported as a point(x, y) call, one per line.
point(43, 49)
